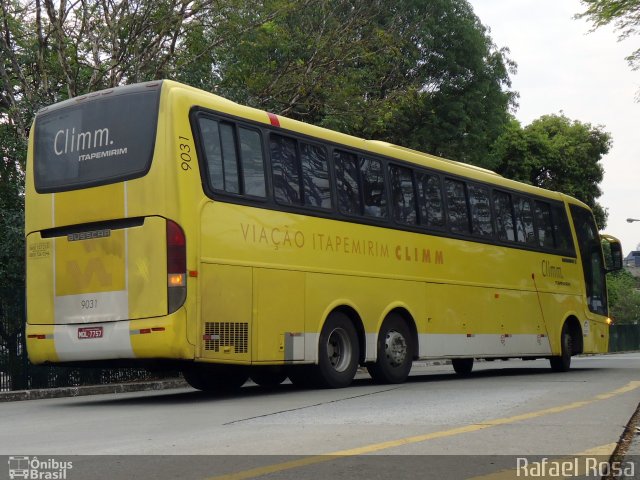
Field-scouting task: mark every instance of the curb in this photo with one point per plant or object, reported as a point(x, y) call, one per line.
point(44, 393)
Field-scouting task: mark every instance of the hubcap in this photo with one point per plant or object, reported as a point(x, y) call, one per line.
point(395, 347)
point(339, 350)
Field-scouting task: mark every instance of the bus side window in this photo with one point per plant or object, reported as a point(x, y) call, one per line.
point(504, 215)
point(430, 202)
point(220, 151)
point(347, 182)
point(457, 210)
point(561, 229)
point(544, 224)
point(285, 167)
point(315, 176)
point(481, 220)
point(375, 197)
point(404, 201)
point(524, 221)
point(252, 162)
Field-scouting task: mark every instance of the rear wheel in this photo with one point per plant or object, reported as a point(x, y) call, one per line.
point(338, 353)
point(215, 378)
point(562, 362)
point(462, 366)
point(394, 352)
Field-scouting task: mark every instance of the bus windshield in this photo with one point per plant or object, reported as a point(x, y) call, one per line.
point(99, 139)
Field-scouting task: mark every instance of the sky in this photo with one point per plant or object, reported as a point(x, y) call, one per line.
point(565, 67)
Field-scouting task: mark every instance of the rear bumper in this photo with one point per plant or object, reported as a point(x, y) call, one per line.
point(157, 338)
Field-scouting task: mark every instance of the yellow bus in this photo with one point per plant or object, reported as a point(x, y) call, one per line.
point(167, 226)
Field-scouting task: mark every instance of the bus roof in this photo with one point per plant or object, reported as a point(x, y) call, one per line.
point(221, 104)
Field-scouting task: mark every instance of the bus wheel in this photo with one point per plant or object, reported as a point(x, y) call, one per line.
point(267, 376)
point(302, 376)
point(462, 366)
point(338, 352)
point(215, 378)
point(395, 352)
point(562, 362)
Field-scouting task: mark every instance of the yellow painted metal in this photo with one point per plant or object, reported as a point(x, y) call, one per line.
point(282, 273)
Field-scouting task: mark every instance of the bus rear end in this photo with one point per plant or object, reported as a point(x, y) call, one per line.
point(106, 259)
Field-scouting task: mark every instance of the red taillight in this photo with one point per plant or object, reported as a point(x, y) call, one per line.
point(176, 249)
point(176, 266)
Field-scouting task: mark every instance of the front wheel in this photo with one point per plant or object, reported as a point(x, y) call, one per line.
point(462, 366)
point(394, 352)
point(562, 362)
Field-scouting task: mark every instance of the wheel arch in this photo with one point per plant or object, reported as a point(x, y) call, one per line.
point(575, 330)
point(352, 313)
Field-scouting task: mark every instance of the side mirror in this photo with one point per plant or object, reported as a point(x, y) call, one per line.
point(612, 250)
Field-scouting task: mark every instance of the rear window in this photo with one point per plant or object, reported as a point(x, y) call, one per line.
point(105, 138)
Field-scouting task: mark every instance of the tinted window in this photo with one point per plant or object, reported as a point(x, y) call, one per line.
point(99, 140)
point(524, 221)
point(561, 229)
point(347, 182)
point(284, 164)
point(315, 176)
point(592, 260)
point(504, 216)
point(375, 198)
point(481, 221)
point(404, 202)
point(220, 155)
point(457, 211)
point(252, 162)
point(544, 224)
point(430, 200)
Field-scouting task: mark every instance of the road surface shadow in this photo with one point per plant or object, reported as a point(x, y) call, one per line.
point(250, 390)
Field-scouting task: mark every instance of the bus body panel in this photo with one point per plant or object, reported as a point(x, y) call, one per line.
point(457, 312)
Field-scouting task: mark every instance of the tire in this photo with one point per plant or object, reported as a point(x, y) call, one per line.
point(462, 366)
point(394, 352)
point(268, 377)
point(302, 376)
point(215, 378)
point(562, 362)
point(338, 353)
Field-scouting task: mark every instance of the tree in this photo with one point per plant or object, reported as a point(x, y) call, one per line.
point(12, 155)
point(624, 297)
point(424, 75)
point(556, 153)
point(623, 14)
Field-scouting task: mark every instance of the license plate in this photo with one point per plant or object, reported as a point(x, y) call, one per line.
point(90, 332)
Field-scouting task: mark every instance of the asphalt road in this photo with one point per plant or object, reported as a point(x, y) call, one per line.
point(436, 425)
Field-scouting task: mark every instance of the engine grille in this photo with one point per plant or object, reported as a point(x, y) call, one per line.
point(218, 335)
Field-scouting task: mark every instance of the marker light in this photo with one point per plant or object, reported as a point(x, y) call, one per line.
point(609, 321)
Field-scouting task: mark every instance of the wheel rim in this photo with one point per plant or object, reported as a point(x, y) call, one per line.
point(395, 348)
point(339, 350)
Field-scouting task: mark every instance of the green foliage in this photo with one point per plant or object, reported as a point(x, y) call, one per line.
point(623, 14)
point(424, 75)
point(558, 154)
point(624, 297)
point(12, 155)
